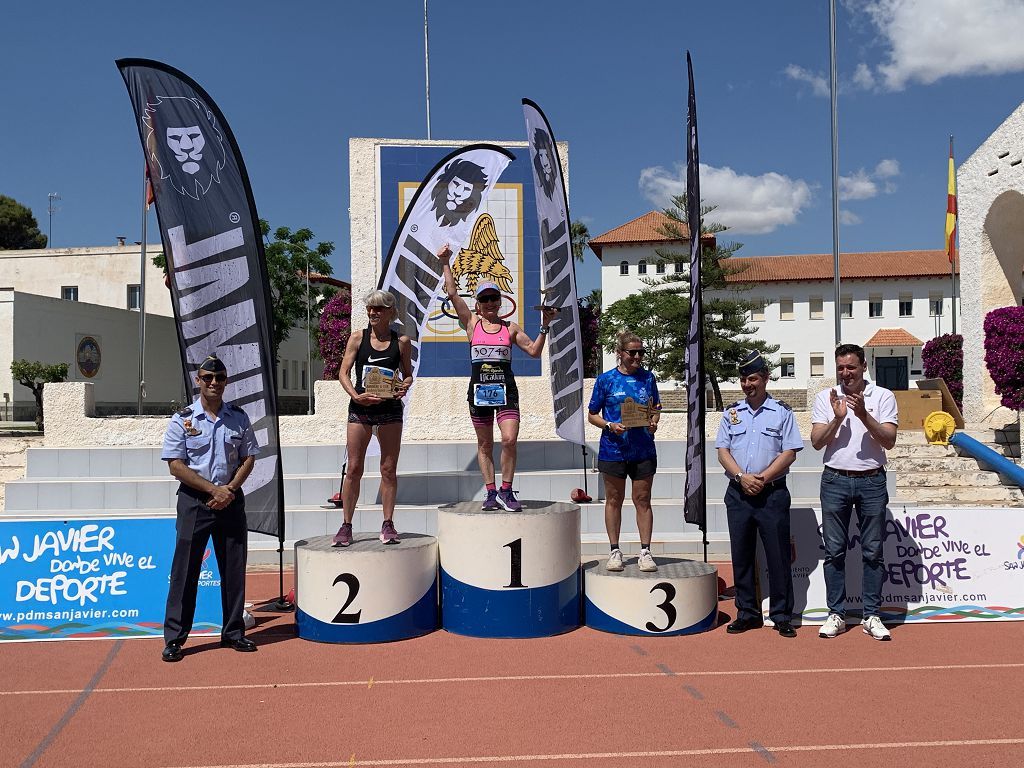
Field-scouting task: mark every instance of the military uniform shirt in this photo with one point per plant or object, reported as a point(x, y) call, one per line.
point(756, 438)
point(213, 448)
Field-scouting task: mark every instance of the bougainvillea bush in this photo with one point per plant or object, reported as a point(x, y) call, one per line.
point(943, 358)
point(335, 328)
point(589, 317)
point(1004, 354)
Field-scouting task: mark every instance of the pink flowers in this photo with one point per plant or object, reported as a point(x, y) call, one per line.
point(943, 358)
point(1004, 354)
point(335, 328)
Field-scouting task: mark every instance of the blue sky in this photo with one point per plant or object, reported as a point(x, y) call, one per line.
point(297, 80)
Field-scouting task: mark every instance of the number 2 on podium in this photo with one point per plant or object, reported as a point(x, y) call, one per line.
point(350, 580)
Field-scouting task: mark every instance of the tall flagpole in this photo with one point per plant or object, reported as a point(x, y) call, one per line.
point(951, 244)
point(837, 307)
point(426, 63)
point(142, 288)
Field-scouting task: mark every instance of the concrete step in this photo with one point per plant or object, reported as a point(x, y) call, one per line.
point(992, 495)
point(937, 479)
point(430, 488)
point(533, 455)
point(920, 450)
point(935, 464)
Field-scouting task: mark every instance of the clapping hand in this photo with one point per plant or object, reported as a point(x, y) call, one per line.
point(839, 404)
point(856, 404)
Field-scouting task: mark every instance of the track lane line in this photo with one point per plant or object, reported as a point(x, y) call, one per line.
point(520, 678)
point(621, 755)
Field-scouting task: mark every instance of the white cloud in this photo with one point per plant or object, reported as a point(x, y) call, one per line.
point(928, 40)
point(848, 218)
point(753, 205)
point(818, 83)
point(887, 168)
point(857, 186)
point(863, 78)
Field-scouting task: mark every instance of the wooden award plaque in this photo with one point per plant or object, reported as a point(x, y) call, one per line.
point(632, 414)
point(380, 382)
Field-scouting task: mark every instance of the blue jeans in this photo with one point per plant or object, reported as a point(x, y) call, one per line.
point(839, 496)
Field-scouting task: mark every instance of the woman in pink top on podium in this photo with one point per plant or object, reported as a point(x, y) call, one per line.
point(492, 385)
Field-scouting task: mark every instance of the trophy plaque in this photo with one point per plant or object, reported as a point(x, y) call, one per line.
point(380, 382)
point(632, 414)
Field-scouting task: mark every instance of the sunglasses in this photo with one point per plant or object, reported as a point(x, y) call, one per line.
point(209, 378)
point(634, 352)
point(488, 298)
point(375, 307)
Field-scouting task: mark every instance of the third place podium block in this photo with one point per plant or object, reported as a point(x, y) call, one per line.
point(510, 574)
point(368, 592)
point(680, 598)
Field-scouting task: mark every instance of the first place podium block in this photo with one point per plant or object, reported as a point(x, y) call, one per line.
point(368, 592)
point(680, 598)
point(510, 574)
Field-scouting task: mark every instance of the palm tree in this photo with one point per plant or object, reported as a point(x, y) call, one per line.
point(579, 236)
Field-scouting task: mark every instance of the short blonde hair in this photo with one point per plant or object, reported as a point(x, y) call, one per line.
point(379, 298)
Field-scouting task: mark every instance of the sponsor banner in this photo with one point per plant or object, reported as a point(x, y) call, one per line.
point(210, 231)
point(565, 350)
point(502, 248)
point(941, 565)
point(94, 579)
point(447, 208)
point(695, 495)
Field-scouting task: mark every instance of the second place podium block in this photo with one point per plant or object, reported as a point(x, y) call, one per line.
point(510, 574)
point(368, 592)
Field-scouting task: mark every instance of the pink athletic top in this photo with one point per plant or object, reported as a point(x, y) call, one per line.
point(486, 347)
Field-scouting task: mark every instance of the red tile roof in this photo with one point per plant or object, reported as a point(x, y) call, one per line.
point(649, 228)
point(818, 266)
point(894, 337)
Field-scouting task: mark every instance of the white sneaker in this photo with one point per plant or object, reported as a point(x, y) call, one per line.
point(614, 561)
point(834, 625)
point(873, 626)
point(646, 562)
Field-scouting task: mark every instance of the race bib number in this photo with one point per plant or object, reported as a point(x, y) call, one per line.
point(488, 394)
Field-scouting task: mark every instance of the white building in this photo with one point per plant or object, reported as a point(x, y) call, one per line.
point(54, 301)
point(891, 303)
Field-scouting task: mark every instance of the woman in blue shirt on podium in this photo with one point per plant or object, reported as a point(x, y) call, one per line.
point(627, 451)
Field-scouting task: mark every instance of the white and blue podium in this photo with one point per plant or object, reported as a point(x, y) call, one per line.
point(680, 598)
point(368, 592)
point(510, 574)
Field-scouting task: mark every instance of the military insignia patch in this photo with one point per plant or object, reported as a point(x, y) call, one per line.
point(189, 429)
point(734, 418)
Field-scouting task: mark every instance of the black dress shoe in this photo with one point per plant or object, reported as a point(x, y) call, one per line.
point(172, 652)
point(242, 644)
point(785, 629)
point(742, 625)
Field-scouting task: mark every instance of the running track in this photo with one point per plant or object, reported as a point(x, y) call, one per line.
point(945, 695)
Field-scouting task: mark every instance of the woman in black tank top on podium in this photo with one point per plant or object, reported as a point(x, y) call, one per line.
point(376, 347)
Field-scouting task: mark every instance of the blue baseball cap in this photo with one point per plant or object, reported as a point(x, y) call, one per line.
point(484, 287)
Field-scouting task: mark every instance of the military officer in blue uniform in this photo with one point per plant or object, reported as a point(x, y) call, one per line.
point(210, 448)
point(757, 442)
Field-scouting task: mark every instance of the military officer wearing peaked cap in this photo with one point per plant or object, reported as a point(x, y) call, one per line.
point(210, 448)
point(757, 442)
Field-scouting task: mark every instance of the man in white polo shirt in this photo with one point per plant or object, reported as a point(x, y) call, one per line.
point(855, 422)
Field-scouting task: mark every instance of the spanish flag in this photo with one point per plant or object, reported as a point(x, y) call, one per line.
point(951, 208)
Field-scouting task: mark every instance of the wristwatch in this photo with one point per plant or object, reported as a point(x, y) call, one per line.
point(738, 476)
point(545, 328)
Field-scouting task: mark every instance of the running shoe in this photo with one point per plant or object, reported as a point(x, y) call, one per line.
point(388, 534)
point(834, 625)
point(646, 562)
point(614, 561)
point(873, 626)
point(491, 502)
point(343, 537)
point(507, 499)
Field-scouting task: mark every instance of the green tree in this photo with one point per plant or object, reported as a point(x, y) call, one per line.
point(19, 229)
point(579, 236)
point(727, 333)
point(647, 314)
point(287, 255)
point(35, 375)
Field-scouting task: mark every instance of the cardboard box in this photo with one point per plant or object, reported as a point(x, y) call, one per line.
point(914, 406)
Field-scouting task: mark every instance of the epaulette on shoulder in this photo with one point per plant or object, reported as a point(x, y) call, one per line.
point(784, 404)
point(186, 411)
point(733, 405)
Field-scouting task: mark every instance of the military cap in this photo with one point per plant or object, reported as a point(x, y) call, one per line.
point(213, 364)
point(752, 362)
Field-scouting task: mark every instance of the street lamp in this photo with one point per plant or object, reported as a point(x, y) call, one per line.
point(50, 210)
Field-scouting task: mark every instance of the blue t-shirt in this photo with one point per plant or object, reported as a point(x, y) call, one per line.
point(610, 390)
